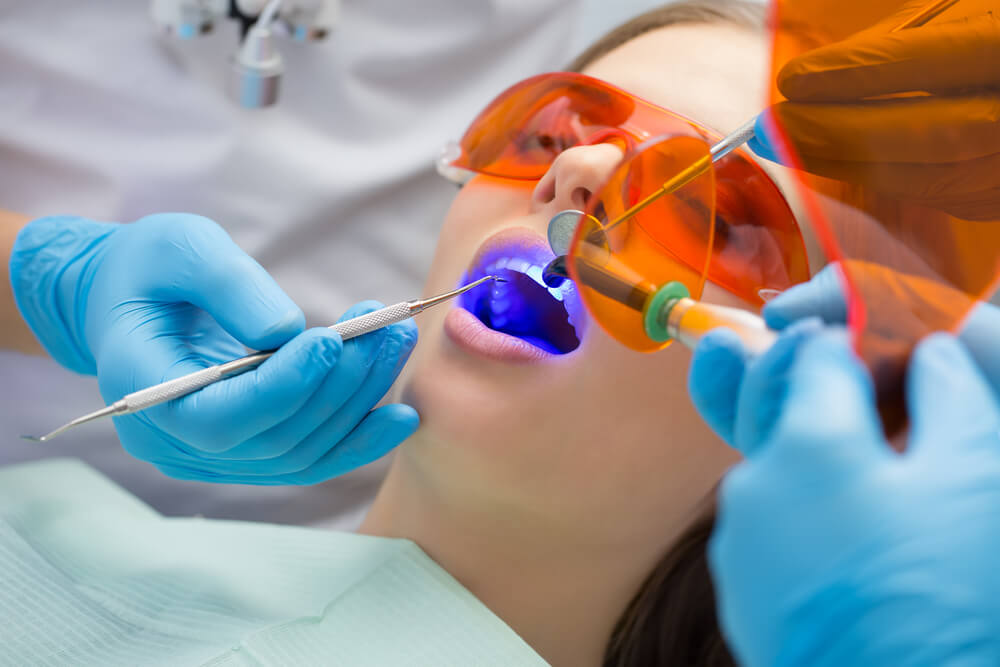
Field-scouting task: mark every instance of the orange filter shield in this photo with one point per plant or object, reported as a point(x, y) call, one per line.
point(889, 109)
point(637, 236)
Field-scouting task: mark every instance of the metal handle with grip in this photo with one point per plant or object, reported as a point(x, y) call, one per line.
point(167, 391)
point(173, 389)
point(185, 384)
point(733, 140)
point(377, 319)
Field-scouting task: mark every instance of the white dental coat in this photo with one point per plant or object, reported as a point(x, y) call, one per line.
point(333, 190)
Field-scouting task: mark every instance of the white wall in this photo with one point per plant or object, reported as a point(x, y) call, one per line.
point(600, 16)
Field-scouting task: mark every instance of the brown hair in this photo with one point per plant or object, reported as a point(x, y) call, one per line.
point(738, 12)
point(672, 619)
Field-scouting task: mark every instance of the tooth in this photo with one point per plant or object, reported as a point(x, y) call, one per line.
point(498, 321)
point(570, 310)
point(502, 262)
point(556, 293)
point(535, 272)
point(572, 322)
point(519, 265)
point(498, 306)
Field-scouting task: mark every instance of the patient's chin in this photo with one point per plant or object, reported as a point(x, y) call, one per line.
point(455, 412)
point(473, 436)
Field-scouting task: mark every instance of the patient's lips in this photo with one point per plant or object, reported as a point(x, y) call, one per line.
point(522, 319)
point(465, 329)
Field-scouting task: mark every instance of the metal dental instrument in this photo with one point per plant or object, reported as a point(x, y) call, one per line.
point(186, 384)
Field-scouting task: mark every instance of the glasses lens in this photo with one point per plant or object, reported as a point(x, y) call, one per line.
point(524, 129)
point(650, 224)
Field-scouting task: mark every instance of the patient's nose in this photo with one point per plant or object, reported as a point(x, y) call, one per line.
point(575, 175)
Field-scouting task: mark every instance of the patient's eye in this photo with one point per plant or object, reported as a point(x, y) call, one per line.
point(552, 130)
point(542, 147)
point(547, 141)
point(552, 143)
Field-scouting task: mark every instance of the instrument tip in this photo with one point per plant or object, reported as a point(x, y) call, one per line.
point(33, 438)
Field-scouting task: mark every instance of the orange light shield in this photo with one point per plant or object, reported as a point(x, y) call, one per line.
point(887, 103)
point(635, 239)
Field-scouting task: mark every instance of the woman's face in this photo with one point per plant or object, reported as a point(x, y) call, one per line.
point(601, 433)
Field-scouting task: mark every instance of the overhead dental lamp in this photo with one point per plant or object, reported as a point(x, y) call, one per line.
point(256, 66)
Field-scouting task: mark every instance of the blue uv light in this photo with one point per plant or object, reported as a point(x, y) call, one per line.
point(524, 308)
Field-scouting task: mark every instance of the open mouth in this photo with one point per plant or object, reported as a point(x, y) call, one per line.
point(522, 307)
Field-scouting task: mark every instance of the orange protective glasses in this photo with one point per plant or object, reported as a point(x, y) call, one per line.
point(730, 224)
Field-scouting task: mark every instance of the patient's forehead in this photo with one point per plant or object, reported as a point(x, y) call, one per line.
point(714, 73)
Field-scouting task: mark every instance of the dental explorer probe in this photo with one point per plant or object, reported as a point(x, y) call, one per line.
point(186, 384)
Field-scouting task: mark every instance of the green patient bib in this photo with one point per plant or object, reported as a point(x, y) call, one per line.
point(91, 576)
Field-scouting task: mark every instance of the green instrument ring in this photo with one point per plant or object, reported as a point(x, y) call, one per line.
point(656, 327)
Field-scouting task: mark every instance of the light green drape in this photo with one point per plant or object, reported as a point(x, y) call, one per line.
point(91, 576)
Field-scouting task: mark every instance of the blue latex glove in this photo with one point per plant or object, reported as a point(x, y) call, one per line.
point(832, 549)
point(719, 364)
point(146, 302)
point(763, 141)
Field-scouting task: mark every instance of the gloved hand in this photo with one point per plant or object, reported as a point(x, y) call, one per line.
point(831, 549)
point(719, 365)
point(940, 150)
point(146, 302)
